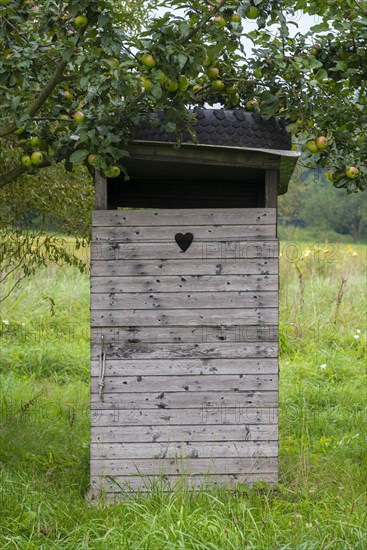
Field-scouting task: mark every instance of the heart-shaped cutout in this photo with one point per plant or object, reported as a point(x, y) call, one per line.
point(184, 240)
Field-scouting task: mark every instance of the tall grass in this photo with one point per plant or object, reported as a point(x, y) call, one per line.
point(320, 501)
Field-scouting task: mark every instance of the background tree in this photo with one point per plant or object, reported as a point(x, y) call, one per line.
point(312, 202)
point(290, 204)
point(328, 208)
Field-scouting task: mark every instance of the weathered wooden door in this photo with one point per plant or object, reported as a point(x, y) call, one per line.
point(184, 320)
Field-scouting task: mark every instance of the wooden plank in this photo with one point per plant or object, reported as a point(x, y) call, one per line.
point(187, 217)
point(178, 317)
point(100, 184)
point(190, 334)
point(200, 433)
point(225, 350)
point(181, 400)
point(228, 449)
point(184, 367)
point(201, 232)
point(155, 384)
point(183, 300)
point(165, 466)
point(190, 283)
point(114, 489)
point(208, 414)
point(152, 268)
point(223, 251)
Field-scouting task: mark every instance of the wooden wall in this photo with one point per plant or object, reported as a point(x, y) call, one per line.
point(191, 381)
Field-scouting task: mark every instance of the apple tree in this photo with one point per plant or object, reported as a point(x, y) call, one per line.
point(76, 78)
point(317, 83)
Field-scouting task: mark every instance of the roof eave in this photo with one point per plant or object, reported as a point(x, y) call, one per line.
point(287, 165)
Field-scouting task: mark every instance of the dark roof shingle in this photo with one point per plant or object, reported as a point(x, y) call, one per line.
point(224, 127)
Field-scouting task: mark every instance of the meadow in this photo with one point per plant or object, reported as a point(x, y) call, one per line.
point(320, 500)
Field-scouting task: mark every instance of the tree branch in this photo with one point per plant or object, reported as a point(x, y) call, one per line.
point(14, 173)
point(196, 29)
point(41, 99)
point(55, 79)
point(10, 24)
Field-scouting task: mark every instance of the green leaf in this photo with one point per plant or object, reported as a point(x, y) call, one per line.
point(156, 91)
point(321, 27)
point(102, 20)
point(79, 155)
point(67, 54)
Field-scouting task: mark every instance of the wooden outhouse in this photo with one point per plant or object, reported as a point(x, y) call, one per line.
point(184, 307)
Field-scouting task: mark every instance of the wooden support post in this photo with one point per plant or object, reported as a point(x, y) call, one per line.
point(101, 191)
point(271, 188)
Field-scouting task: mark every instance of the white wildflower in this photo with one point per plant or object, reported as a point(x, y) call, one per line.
point(5, 321)
point(323, 366)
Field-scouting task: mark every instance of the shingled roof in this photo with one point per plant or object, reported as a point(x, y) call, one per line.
point(236, 128)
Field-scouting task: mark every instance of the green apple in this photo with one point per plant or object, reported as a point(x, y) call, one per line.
point(310, 123)
point(315, 48)
point(171, 85)
point(26, 160)
point(20, 130)
point(146, 82)
point(234, 98)
point(219, 20)
point(352, 172)
point(68, 95)
point(252, 13)
point(113, 172)
point(312, 146)
point(37, 158)
point(322, 142)
point(92, 159)
point(252, 105)
point(231, 90)
point(35, 141)
point(218, 85)
point(81, 21)
point(162, 77)
point(183, 83)
point(213, 72)
point(64, 117)
point(38, 142)
point(330, 175)
point(149, 61)
point(235, 18)
point(197, 88)
point(79, 117)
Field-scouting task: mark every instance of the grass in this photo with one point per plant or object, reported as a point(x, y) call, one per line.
point(320, 501)
point(299, 234)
